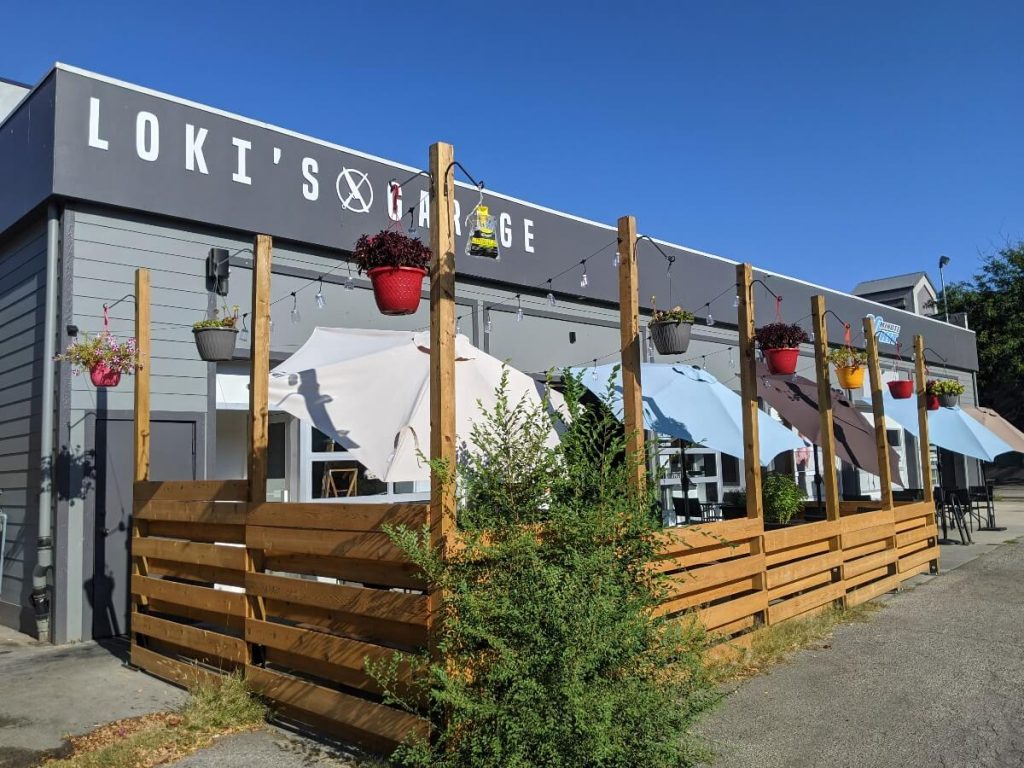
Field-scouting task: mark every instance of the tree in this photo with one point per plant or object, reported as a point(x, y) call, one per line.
point(994, 303)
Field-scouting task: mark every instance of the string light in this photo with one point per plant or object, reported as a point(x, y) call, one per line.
point(487, 322)
point(519, 308)
point(243, 335)
point(296, 316)
point(650, 348)
point(615, 258)
point(594, 370)
point(583, 278)
point(736, 302)
point(732, 360)
point(709, 319)
point(551, 296)
point(321, 302)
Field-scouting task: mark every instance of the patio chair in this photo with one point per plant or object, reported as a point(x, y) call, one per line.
point(687, 508)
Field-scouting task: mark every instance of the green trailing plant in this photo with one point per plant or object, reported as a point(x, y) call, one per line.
point(226, 319)
point(781, 496)
point(86, 353)
point(549, 652)
point(389, 248)
point(735, 499)
point(780, 336)
point(675, 315)
point(946, 387)
point(847, 357)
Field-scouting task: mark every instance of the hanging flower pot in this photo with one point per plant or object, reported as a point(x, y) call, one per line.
point(102, 375)
point(397, 290)
point(902, 389)
point(396, 265)
point(933, 402)
point(670, 330)
point(215, 336)
point(849, 365)
point(780, 343)
point(103, 356)
point(948, 391)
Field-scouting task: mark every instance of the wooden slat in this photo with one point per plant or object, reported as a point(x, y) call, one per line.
point(142, 374)
point(796, 553)
point(800, 585)
point(924, 557)
point(863, 564)
point(740, 625)
point(863, 550)
point(209, 512)
point(866, 520)
point(187, 636)
point(178, 672)
point(794, 535)
point(859, 507)
point(910, 572)
point(383, 573)
point(335, 658)
point(745, 320)
point(227, 534)
point(676, 541)
point(731, 610)
point(684, 602)
point(629, 346)
point(214, 555)
point(827, 435)
point(708, 577)
point(339, 516)
point(693, 558)
point(371, 724)
point(797, 605)
point(204, 598)
point(380, 631)
point(917, 522)
point(867, 576)
point(201, 574)
point(361, 545)
point(373, 603)
point(917, 509)
point(801, 568)
point(862, 595)
point(865, 535)
point(259, 369)
point(913, 536)
point(191, 490)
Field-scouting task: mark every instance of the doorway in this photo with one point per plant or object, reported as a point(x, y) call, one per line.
point(173, 457)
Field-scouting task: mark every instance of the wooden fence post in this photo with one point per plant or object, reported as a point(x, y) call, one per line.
point(878, 413)
point(748, 391)
point(140, 565)
point(828, 437)
point(442, 358)
point(629, 333)
point(924, 442)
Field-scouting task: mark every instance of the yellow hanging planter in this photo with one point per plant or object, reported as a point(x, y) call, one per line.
point(851, 377)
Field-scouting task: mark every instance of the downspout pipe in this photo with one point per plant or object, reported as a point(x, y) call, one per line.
point(42, 575)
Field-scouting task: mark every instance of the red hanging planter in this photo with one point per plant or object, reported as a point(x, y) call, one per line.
point(782, 362)
point(397, 289)
point(103, 375)
point(933, 402)
point(901, 389)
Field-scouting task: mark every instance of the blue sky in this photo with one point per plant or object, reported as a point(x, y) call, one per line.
point(833, 142)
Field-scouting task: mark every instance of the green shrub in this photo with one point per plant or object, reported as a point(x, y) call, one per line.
point(948, 387)
point(781, 496)
point(550, 654)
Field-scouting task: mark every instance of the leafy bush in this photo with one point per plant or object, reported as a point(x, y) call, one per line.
point(780, 336)
point(946, 387)
point(847, 357)
point(781, 496)
point(389, 248)
point(90, 351)
point(735, 498)
point(549, 653)
point(229, 319)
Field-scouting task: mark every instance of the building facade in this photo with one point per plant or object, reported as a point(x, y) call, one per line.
point(103, 177)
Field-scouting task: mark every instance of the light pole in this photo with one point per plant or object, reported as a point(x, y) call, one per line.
point(943, 261)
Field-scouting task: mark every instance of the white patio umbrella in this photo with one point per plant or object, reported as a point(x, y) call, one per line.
point(370, 391)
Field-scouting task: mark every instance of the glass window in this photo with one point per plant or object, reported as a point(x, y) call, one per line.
point(730, 470)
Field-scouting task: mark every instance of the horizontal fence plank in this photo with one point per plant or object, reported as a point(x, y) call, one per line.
point(797, 553)
point(871, 591)
point(675, 541)
point(795, 535)
point(800, 585)
point(861, 565)
point(182, 673)
point(338, 516)
point(865, 577)
point(917, 509)
point(799, 569)
point(362, 545)
point(374, 603)
point(717, 592)
point(202, 574)
point(191, 490)
point(194, 638)
point(209, 512)
point(371, 724)
point(866, 520)
point(854, 507)
point(204, 598)
point(923, 557)
point(914, 535)
point(868, 535)
point(213, 618)
point(340, 659)
point(378, 631)
point(227, 534)
point(384, 573)
point(695, 557)
point(198, 553)
point(710, 576)
point(796, 605)
point(728, 611)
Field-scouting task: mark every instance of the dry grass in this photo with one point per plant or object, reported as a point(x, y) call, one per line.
point(774, 644)
point(214, 709)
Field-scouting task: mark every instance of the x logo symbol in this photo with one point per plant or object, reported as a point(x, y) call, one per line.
point(359, 196)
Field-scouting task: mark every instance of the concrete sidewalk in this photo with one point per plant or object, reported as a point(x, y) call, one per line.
point(935, 679)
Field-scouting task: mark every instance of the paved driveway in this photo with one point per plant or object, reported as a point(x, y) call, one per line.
point(935, 679)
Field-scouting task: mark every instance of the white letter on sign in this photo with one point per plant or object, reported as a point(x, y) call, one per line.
point(528, 235)
point(505, 229)
point(194, 148)
point(94, 125)
point(243, 147)
point(311, 187)
point(147, 136)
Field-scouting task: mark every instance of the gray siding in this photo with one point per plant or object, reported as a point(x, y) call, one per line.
point(22, 295)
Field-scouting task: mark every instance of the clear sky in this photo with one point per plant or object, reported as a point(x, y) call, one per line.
point(830, 141)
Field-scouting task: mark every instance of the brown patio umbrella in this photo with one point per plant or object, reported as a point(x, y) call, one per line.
point(998, 426)
point(796, 400)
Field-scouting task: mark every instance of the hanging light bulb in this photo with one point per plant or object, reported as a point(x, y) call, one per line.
point(650, 348)
point(593, 371)
point(736, 302)
point(413, 230)
point(710, 320)
point(458, 325)
point(732, 360)
point(487, 322)
point(519, 309)
point(551, 296)
point(321, 302)
point(350, 283)
point(583, 278)
point(295, 315)
point(243, 335)
point(615, 259)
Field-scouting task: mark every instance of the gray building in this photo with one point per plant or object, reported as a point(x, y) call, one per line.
point(102, 177)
